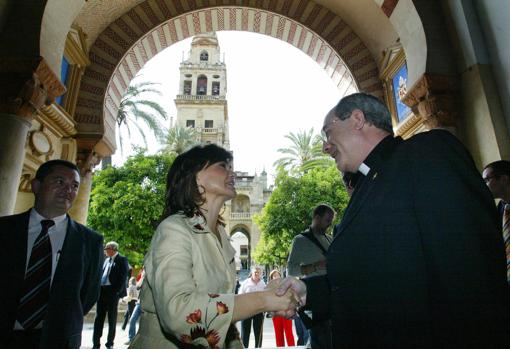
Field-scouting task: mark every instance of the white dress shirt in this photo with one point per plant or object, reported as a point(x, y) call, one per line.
point(57, 234)
point(107, 267)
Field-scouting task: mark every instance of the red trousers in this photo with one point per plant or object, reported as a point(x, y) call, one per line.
point(282, 325)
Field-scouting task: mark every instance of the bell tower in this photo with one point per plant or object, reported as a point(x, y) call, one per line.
point(201, 102)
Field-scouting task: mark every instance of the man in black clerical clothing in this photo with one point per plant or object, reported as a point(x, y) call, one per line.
point(51, 266)
point(113, 287)
point(418, 260)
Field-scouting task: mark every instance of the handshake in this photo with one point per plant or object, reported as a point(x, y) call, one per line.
point(287, 296)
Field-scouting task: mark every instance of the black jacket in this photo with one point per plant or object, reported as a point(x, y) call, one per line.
point(75, 285)
point(418, 260)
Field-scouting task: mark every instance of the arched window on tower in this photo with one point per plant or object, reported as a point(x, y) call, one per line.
point(202, 85)
point(215, 88)
point(204, 56)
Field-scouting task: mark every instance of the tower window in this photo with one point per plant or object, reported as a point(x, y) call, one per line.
point(215, 88)
point(208, 124)
point(204, 56)
point(187, 87)
point(190, 123)
point(202, 85)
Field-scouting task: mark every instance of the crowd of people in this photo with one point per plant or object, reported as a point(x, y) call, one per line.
point(417, 261)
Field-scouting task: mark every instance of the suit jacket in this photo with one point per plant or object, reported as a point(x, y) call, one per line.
point(118, 275)
point(188, 289)
point(418, 260)
point(75, 285)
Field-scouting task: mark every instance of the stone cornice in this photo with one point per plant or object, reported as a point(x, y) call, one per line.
point(434, 98)
point(60, 118)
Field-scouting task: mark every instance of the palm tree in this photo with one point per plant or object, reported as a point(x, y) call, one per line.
point(130, 113)
point(304, 153)
point(134, 108)
point(179, 139)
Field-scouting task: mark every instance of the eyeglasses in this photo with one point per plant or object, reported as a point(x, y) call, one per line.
point(325, 130)
point(108, 248)
point(488, 178)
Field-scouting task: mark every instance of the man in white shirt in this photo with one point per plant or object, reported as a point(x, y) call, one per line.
point(51, 266)
point(252, 284)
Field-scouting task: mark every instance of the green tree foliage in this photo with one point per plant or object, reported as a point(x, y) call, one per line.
point(289, 209)
point(127, 202)
point(179, 139)
point(303, 154)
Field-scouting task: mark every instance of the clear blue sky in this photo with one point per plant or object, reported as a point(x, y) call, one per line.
point(272, 89)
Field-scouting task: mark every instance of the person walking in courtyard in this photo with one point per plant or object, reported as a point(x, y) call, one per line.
point(113, 288)
point(253, 283)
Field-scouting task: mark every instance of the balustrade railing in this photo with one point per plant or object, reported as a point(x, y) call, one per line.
point(240, 215)
point(199, 97)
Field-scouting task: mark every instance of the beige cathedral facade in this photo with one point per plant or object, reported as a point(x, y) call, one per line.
point(202, 104)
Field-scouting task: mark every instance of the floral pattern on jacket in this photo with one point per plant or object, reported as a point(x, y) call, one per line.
point(202, 329)
point(190, 277)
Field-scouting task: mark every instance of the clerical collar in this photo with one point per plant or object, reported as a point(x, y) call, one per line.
point(364, 169)
point(377, 155)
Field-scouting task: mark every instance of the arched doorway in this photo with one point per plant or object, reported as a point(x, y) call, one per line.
point(240, 239)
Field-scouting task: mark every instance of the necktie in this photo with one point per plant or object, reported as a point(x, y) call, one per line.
point(36, 286)
point(106, 271)
point(506, 238)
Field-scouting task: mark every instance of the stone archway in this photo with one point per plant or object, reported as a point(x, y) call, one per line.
point(129, 42)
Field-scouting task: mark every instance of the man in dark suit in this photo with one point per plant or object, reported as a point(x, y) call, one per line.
point(113, 287)
point(51, 266)
point(497, 177)
point(418, 260)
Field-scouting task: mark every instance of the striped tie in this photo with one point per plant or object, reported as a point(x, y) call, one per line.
point(36, 287)
point(506, 237)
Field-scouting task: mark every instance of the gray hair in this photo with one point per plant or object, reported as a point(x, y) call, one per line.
point(113, 245)
point(375, 111)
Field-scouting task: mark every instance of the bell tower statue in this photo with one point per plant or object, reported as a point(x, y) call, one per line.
point(201, 102)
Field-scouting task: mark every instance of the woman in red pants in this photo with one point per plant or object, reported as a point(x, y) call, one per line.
point(281, 325)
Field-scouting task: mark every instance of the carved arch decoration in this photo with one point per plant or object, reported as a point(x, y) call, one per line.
point(122, 49)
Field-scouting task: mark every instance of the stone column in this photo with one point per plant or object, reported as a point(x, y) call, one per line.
point(13, 135)
point(86, 163)
point(25, 86)
point(434, 98)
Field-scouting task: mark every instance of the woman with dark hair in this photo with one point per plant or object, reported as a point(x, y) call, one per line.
point(188, 298)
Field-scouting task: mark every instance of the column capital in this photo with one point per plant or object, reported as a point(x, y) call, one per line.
point(86, 160)
point(27, 84)
point(434, 98)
